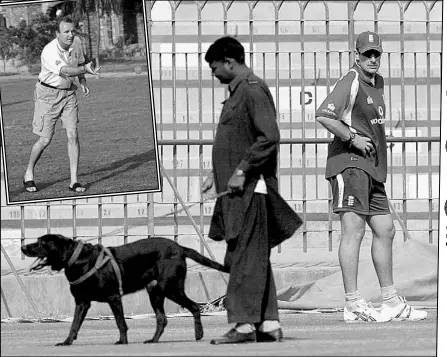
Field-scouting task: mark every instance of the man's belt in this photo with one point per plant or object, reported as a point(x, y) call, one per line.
point(48, 86)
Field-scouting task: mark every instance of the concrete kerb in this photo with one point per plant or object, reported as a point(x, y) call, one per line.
point(51, 293)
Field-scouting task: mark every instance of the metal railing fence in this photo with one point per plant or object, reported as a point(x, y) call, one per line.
point(300, 48)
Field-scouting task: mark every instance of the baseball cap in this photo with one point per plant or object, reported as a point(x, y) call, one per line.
point(368, 40)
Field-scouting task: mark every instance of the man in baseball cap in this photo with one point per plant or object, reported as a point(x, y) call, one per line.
point(368, 41)
point(356, 169)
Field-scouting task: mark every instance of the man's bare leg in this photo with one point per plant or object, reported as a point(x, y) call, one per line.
point(73, 155)
point(352, 232)
point(36, 152)
point(383, 230)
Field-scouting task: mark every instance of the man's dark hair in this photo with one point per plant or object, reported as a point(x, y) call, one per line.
point(66, 19)
point(225, 47)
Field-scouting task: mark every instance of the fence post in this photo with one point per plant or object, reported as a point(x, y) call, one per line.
point(351, 31)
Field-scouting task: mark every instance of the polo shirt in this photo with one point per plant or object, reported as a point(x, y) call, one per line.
point(360, 104)
point(54, 57)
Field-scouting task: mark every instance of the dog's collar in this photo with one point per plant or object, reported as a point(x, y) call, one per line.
point(76, 253)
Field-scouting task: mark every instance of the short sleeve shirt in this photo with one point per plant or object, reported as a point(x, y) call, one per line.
point(360, 104)
point(54, 57)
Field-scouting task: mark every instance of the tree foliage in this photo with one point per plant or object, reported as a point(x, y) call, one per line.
point(101, 7)
point(33, 37)
point(105, 7)
point(26, 41)
point(8, 46)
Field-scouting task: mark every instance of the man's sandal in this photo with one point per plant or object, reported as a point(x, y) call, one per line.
point(30, 186)
point(77, 187)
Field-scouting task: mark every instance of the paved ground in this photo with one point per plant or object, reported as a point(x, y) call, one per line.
point(306, 334)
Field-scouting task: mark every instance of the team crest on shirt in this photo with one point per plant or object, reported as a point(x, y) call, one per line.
point(369, 100)
point(331, 106)
point(350, 200)
point(58, 62)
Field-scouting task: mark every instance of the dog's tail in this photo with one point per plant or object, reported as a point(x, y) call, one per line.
point(199, 258)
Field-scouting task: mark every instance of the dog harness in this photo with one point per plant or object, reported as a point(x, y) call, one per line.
point(104, 257)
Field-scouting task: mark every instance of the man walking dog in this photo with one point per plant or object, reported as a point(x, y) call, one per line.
point(253, 218)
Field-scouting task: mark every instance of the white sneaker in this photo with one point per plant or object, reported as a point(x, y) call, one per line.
point(364, 312)
point(402, 312)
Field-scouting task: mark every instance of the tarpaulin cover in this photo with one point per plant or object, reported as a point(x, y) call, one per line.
point(415, 270)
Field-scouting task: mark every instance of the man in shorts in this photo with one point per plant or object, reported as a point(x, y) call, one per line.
point(357, 169)
point(55, 98)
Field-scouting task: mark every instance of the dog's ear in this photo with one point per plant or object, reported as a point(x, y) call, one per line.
point(58, 250)
point(60, 236)
point(53, 240)
point(46, 238)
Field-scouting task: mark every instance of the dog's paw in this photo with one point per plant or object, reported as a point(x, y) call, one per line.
point(67, 342)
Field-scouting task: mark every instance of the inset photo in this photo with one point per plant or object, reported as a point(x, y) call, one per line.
point(77, 113)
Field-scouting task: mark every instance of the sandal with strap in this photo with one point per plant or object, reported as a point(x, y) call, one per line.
point(77, 187)
point(30, 186)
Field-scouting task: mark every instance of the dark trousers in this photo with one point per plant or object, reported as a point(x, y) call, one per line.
point(251, 293)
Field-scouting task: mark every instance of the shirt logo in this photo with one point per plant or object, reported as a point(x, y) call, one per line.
point(58, 62)
point(380, 121)
point(350, 200)
point(331, 106)
point(369, 100)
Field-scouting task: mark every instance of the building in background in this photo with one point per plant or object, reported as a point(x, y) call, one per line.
point(28, 12)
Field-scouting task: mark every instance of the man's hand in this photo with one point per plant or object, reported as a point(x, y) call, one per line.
point(364, 144)
point(90, 68)
point(236, 183)
point(85, 90)
point(208, 188)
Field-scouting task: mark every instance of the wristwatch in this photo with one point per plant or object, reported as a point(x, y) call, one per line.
point(351, 138)
point(239, 172)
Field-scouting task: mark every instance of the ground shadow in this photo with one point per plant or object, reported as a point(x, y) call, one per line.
point(52, 189)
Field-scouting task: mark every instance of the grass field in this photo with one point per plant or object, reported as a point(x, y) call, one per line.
point(116, 137)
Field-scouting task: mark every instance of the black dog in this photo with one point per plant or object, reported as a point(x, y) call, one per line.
point(104, 274)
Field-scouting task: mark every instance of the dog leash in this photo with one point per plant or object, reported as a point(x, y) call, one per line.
point(180, 210)
point(118, 230)
point(112, 233)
